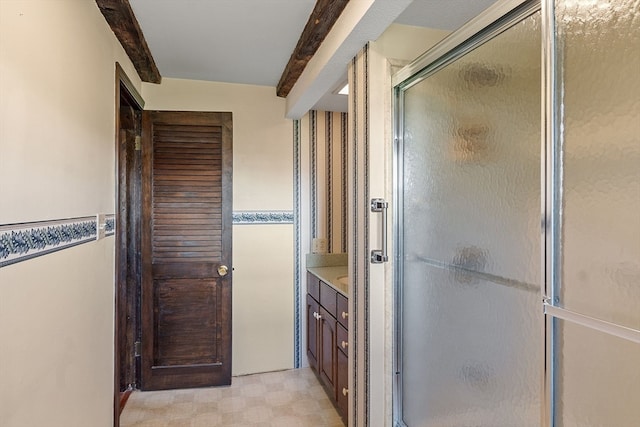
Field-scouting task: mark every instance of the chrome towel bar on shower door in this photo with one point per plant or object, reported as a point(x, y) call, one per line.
point(378, 256)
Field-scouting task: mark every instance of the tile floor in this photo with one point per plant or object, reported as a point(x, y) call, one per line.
point(291, 398)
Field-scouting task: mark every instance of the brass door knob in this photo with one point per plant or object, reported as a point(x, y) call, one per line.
point(223, 270)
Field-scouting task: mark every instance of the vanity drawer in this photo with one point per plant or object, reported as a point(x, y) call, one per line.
point(313, 286)
point(328, 298)
point(342, 311)
point(343, 339)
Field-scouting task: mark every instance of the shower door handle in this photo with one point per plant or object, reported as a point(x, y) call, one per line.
point(378, 256)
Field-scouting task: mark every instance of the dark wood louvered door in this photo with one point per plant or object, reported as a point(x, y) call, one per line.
point(186, 247)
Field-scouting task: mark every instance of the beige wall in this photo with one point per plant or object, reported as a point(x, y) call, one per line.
point(262, 181)
point(404, 43)
point(263, 298)
point(57, 147)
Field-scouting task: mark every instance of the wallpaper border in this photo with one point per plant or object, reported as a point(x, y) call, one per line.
point(262, 217)
point(297, 279)
point(313, 141)
point(28, 240)
point(109, 224)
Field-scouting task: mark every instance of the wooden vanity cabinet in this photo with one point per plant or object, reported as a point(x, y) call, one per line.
point(313, 286)
point(327, 340)
point(342, 310)
point(342, 384)
point(313, 309)
point(328, 357)
point(342, 342)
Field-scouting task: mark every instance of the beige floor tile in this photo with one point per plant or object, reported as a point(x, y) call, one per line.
point(207, 395)
point(279, 397)
point(287, 398)
point(206, 420)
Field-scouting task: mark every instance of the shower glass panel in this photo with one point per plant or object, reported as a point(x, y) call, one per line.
point(470, 248)
point(599, 61)
point(598, 379)
point(597, 376)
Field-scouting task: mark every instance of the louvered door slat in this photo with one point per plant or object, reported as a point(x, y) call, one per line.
point(166, 146)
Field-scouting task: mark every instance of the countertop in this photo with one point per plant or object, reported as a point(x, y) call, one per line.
point(329, 275)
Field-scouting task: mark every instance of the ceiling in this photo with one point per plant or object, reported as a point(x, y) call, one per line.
point(442, 14)
point(250, 41)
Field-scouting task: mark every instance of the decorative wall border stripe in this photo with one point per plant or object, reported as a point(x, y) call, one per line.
point(23, 241)
point(343, 151)
point(297, 251)
point(354, 253)
point(314, 175)
point(329, 185)
point(263, 217)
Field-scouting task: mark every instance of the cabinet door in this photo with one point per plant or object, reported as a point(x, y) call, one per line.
point(312, 332)
point(342, 385)
point(328, 350)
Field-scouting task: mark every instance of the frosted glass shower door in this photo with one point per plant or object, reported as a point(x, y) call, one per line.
point(471, 325)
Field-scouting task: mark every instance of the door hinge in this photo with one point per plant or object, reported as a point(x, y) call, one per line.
point(138, 143)
point(137, 349)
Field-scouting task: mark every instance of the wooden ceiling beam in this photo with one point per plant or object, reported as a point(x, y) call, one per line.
point(325, 13)
point(123, 23)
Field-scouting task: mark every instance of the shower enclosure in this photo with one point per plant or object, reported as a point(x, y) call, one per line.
point(517, 220)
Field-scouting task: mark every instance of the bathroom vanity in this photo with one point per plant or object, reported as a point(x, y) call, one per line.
point(327, 331)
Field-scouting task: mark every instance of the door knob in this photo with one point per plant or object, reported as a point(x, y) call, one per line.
point(223, 270)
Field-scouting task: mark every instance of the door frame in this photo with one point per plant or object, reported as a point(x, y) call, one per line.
point(124, 88)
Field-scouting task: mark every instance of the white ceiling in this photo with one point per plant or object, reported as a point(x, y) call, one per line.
point(250, 41)
point(234, 41)
point(442, 14)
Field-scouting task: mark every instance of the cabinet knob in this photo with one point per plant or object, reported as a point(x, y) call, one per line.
point(315, 315)
point(344, 391)
point(345, 314)
point(344, 344)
